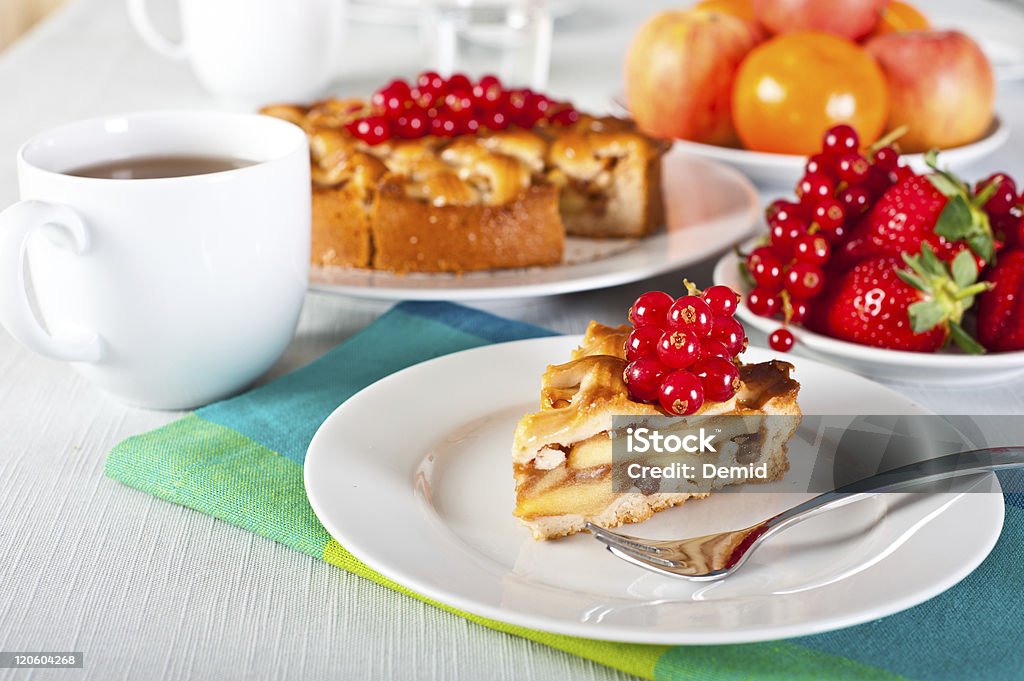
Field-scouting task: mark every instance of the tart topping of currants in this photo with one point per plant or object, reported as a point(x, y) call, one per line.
point(682, 351)
point(447, 107)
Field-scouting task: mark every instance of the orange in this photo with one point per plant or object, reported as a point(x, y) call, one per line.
point(744, 9)
point(899, 17)
point(791, 89)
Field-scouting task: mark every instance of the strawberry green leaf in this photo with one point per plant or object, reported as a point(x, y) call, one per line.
point(925, 315)
point(955, 220)
point(964, 340)
point(912, 279)
point(946, 186)
point(965, 270)
point(982, 244)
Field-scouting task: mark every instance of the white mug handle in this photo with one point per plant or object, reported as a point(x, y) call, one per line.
point(64, 227)
point(139, 14)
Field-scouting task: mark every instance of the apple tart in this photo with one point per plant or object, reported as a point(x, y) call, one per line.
point(492, 198)
point(562, 453)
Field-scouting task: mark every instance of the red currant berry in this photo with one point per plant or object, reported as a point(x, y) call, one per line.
point(691, 314)
point(765, 267)
point(781, 340)
point(681, 393)
point(812, 249)
point(855, 200)
point(783, 234)
point(1003, 198)
point(713, 348)
point(566, 116)
point(887, 158)
point(729, 332)
point(651, 309)
point(393, 97)
point(829, 214)
point(840, 139)
point(487, 92)
point(781, 210)
point(458, 82)
point(516, 101)
point(643, 342)
point(538, 105)
point(763, 303)
point(496, 119)
point(877, 183)
point(412, 124)
point(798, 310)
point(722, 300)
point(643, 378)
point(430, 83)
point(852, 168)
point(814, 187)
point(678, 349)
point(373, 129)
point(804, 280)
point(820, 164)
point(444, 124)
point(719, 377)
point(458, 101)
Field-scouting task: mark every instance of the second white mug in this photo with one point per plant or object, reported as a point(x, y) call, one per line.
point(253, 52)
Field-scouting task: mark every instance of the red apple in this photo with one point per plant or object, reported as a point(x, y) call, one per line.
point(679, 74)
point(940, 85)
point(851, 19)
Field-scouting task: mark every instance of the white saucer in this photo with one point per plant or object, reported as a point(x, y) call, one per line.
point(413, 476)
point(709, 207)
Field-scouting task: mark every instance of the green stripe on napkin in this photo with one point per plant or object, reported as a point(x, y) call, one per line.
point(240, 460)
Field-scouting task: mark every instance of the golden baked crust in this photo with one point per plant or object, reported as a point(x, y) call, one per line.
point(492, 200)
point(561, 454)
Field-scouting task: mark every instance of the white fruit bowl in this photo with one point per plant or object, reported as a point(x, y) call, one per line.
point(947, 366)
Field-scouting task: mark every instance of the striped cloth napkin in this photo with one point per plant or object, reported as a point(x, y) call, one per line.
point(240, 460)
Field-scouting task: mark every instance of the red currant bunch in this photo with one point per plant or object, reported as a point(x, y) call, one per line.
point(447, 107)
point(682, 351)
point(839, 186)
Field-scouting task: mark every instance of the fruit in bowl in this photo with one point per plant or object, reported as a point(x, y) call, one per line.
point(852, 19)
point(679, 73)
point(794, 87)
point(872, 253)
point(811, 64)
point(940, 86)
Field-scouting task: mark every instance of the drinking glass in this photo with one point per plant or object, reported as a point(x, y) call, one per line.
point(508, 38)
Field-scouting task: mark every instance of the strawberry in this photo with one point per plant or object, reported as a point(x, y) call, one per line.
point(937, 209)
point(1001, 310)
point(915, 309)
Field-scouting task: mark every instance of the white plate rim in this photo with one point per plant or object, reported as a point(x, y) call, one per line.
point(937, 361)
point(456, 288)
point(409, 580)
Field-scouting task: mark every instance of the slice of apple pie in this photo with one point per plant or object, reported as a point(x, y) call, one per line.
point(562, 454)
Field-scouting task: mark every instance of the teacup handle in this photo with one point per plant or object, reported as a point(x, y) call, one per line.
point(64, 227)
point(139, 13)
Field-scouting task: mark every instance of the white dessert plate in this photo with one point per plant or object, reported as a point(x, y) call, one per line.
point(777, 170)
point(946, 366)
point(709, 207)
point(413, 476)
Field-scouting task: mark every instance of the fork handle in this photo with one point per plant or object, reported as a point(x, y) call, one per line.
point(931, 470)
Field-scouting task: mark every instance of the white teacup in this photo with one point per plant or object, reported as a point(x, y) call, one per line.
point(167, 293)
point(253, 52)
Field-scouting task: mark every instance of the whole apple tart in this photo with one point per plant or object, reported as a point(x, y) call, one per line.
point(451, 176)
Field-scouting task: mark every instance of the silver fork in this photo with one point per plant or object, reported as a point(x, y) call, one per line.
point(715, 556)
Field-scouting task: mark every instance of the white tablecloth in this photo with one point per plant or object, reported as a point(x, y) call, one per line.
point(150, 590)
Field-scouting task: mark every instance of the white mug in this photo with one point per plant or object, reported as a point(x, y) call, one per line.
point(253, 52)
point(167, 293)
